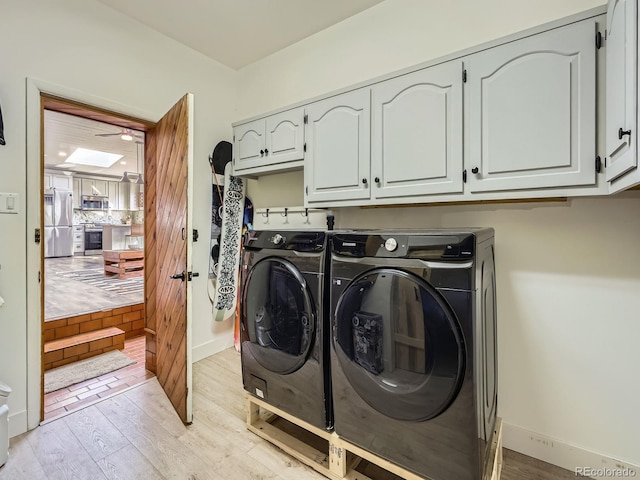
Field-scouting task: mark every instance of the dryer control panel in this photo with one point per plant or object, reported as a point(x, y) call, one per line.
point(403, 245)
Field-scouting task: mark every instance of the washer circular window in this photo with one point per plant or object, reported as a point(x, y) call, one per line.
point(278, 315)
point(399, 344)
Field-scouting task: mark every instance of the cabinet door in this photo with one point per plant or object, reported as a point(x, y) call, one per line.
point(285, 137)
point(77, 193)
point(532, 111)
point(87, 186)
point(417, 133)
point(101, 187)
point(47, 181)
point(622, 68)
point(123, 196)
point(114, 190)
point(62, 182)
point(249, 145)
point(338, 151)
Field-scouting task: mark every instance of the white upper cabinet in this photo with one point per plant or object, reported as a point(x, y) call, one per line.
point(248, 145)
point(338, 148)
point(269, 142)
point(285, 136)
point(417, 134)
point(57, 180)
point(622, 68)
point(532, 112)
point(94, 187)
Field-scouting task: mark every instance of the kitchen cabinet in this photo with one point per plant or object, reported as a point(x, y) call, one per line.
point(78, 239)
point(416, 133)
point(57, 180)
point(77, 192)
point(96, 187)
point(269, 144)
point(621, 92)
point(532, 112)
point(114, 237)
point(338, 135)
point(113, 193)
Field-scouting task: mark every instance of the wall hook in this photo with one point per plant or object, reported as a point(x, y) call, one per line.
point(285, 212)
point(266, 214)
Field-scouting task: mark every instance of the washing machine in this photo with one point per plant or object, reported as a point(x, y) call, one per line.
point(413, 347)
point(284, 333)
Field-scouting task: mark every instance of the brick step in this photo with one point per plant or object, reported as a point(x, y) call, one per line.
point(84, 345)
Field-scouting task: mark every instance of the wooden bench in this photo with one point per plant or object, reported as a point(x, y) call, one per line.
point(124, 263)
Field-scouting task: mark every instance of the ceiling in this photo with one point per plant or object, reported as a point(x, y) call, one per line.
point(232, 32)
point(239, 32)
point(64, 133)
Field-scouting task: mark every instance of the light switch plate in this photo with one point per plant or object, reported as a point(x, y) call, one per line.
point(8, 203)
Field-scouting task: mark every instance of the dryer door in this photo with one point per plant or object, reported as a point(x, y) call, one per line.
point(277, 315)
point(399, 344)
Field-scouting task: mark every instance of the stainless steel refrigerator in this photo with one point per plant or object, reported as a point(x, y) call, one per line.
point(58, 223)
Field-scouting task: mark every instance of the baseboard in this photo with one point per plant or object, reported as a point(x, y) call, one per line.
point(214, 346)
point(17, 423)
point(570, 457)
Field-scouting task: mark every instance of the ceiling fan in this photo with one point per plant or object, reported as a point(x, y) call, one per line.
point(125, 134)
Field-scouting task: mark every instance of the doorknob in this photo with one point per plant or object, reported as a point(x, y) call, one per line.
point(177, 276)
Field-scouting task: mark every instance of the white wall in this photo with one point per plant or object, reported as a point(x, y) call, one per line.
point(568, 273)
point(95, 52)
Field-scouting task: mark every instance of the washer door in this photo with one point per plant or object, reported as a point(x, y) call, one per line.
point(278, 315)
point(399, 344)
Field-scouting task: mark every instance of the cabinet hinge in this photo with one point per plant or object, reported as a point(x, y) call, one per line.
point(304, 147)
point(306, 118)
point(234, 138)
point(598, 40)
point(306, 190)
point(464, 76)
point(464, 176)
point(598, 164)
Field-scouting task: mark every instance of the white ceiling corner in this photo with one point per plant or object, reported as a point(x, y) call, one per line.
point(239, 32)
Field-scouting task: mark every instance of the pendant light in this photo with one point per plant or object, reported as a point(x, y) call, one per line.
point(126, 178)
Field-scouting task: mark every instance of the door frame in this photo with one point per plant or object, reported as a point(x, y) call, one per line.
point(101, 108)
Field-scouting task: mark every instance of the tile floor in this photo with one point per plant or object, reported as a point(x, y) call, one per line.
point(65, 297)
point(80, 395)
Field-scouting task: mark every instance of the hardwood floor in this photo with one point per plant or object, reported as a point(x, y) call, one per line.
point(137, 435)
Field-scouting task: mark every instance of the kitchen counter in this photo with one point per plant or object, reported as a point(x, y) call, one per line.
point(113, 236)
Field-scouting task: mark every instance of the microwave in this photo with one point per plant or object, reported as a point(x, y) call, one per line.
point(94, 202)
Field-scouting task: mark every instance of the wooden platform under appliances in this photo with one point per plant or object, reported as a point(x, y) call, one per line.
point(332, 456)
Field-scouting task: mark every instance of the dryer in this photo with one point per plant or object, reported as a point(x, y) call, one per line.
point(413, 347)
point(284, 339)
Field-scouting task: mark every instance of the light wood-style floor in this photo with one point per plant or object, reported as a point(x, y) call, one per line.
point(137, 435)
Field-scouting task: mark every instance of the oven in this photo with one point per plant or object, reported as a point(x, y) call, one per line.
point(92, 239)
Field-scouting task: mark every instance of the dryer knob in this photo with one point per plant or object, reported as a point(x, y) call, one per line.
point(277, 239)
point(391, 244)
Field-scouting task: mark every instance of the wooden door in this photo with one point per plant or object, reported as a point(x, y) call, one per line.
point(338, 151)
point(622, 68)
point(532, 112)
point(417, 133)
point(249, 145)
point(168, 174)
point(285, 137)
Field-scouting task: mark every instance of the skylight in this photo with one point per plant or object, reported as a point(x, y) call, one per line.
point(93, 158)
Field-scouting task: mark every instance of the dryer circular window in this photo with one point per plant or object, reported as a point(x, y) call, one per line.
point(399, 344)
point(278, 315)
